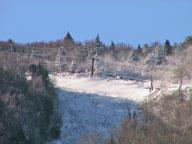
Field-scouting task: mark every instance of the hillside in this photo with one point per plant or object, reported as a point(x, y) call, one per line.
point(99, 89)
point(95, 104)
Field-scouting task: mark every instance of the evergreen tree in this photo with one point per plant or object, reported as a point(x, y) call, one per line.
point(98, 48)
point(68, 41)
point(188, 40)
point(10, 41)
point(97, 39)
point(139, 49)
point(112, 50)
point(133, 55)
point(157, 57)
point(95, 47)
point(68, 37)
point(112, 46)
point(167, 48)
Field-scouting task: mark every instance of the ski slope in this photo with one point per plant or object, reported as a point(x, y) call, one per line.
point(94, 104)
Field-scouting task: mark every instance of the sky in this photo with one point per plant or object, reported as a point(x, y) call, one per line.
point(129, 21)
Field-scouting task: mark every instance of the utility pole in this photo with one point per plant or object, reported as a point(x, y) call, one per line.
point(92, 54)
point(92, 66)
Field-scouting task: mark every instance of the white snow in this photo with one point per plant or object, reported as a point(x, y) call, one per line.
point(107, 87)
point(95, 104)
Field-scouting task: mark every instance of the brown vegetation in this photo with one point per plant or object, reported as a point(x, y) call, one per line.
point(28, 109)
point(167, 121)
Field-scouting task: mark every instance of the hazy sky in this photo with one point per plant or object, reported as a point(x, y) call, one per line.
point(130, 21)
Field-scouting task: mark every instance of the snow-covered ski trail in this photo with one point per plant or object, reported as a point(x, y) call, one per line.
point(95, 105)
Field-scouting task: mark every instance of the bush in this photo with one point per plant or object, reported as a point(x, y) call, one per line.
point(28, 109)
point(167, 121)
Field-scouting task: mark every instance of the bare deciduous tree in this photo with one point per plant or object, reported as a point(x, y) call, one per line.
point(181, 72)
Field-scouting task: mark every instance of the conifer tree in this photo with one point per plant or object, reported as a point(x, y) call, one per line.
point(98, 47)
point(112, 50)
point(133, 55)
point(10, 41)
point(97, 39)
point(68, 37)
point(139, 49)
point(68, 41)
point(157, 57)
point(167, 48)
point(112, 46)
point(188, 40)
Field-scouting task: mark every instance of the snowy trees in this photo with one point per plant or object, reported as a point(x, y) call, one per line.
point(133, 56)
point(99, 63)
point(180, 73)
point(58, 60)
point(73, 67)
point(80, 53)
point(99, 47)
point(95, 53)
point(112, 51)
point(95, 47)
point(99, 66)
point(146, 48)
point(157, 57)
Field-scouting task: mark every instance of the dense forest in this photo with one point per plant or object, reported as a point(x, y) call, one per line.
point(28, 107)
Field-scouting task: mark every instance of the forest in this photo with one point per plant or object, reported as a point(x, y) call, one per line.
point(29, 102)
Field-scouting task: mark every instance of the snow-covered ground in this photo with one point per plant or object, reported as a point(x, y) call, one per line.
point(95, 104)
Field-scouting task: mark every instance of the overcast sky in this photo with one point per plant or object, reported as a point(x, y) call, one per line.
point(130, 21)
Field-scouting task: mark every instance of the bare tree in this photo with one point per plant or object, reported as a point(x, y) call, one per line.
point(151, 61)
point(181, 72)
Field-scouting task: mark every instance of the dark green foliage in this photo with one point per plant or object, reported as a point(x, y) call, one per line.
point(67, 43)
point(39, 70)
point(139, 49)
point(167, 48)
point(97, 39)
point(11, 82)
point(133, 55)
point(10, 41)
point(188, 40)
point(112, 46)
point(68, 37)
point(28, 109)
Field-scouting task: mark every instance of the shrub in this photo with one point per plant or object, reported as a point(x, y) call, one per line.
point(28, 109)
